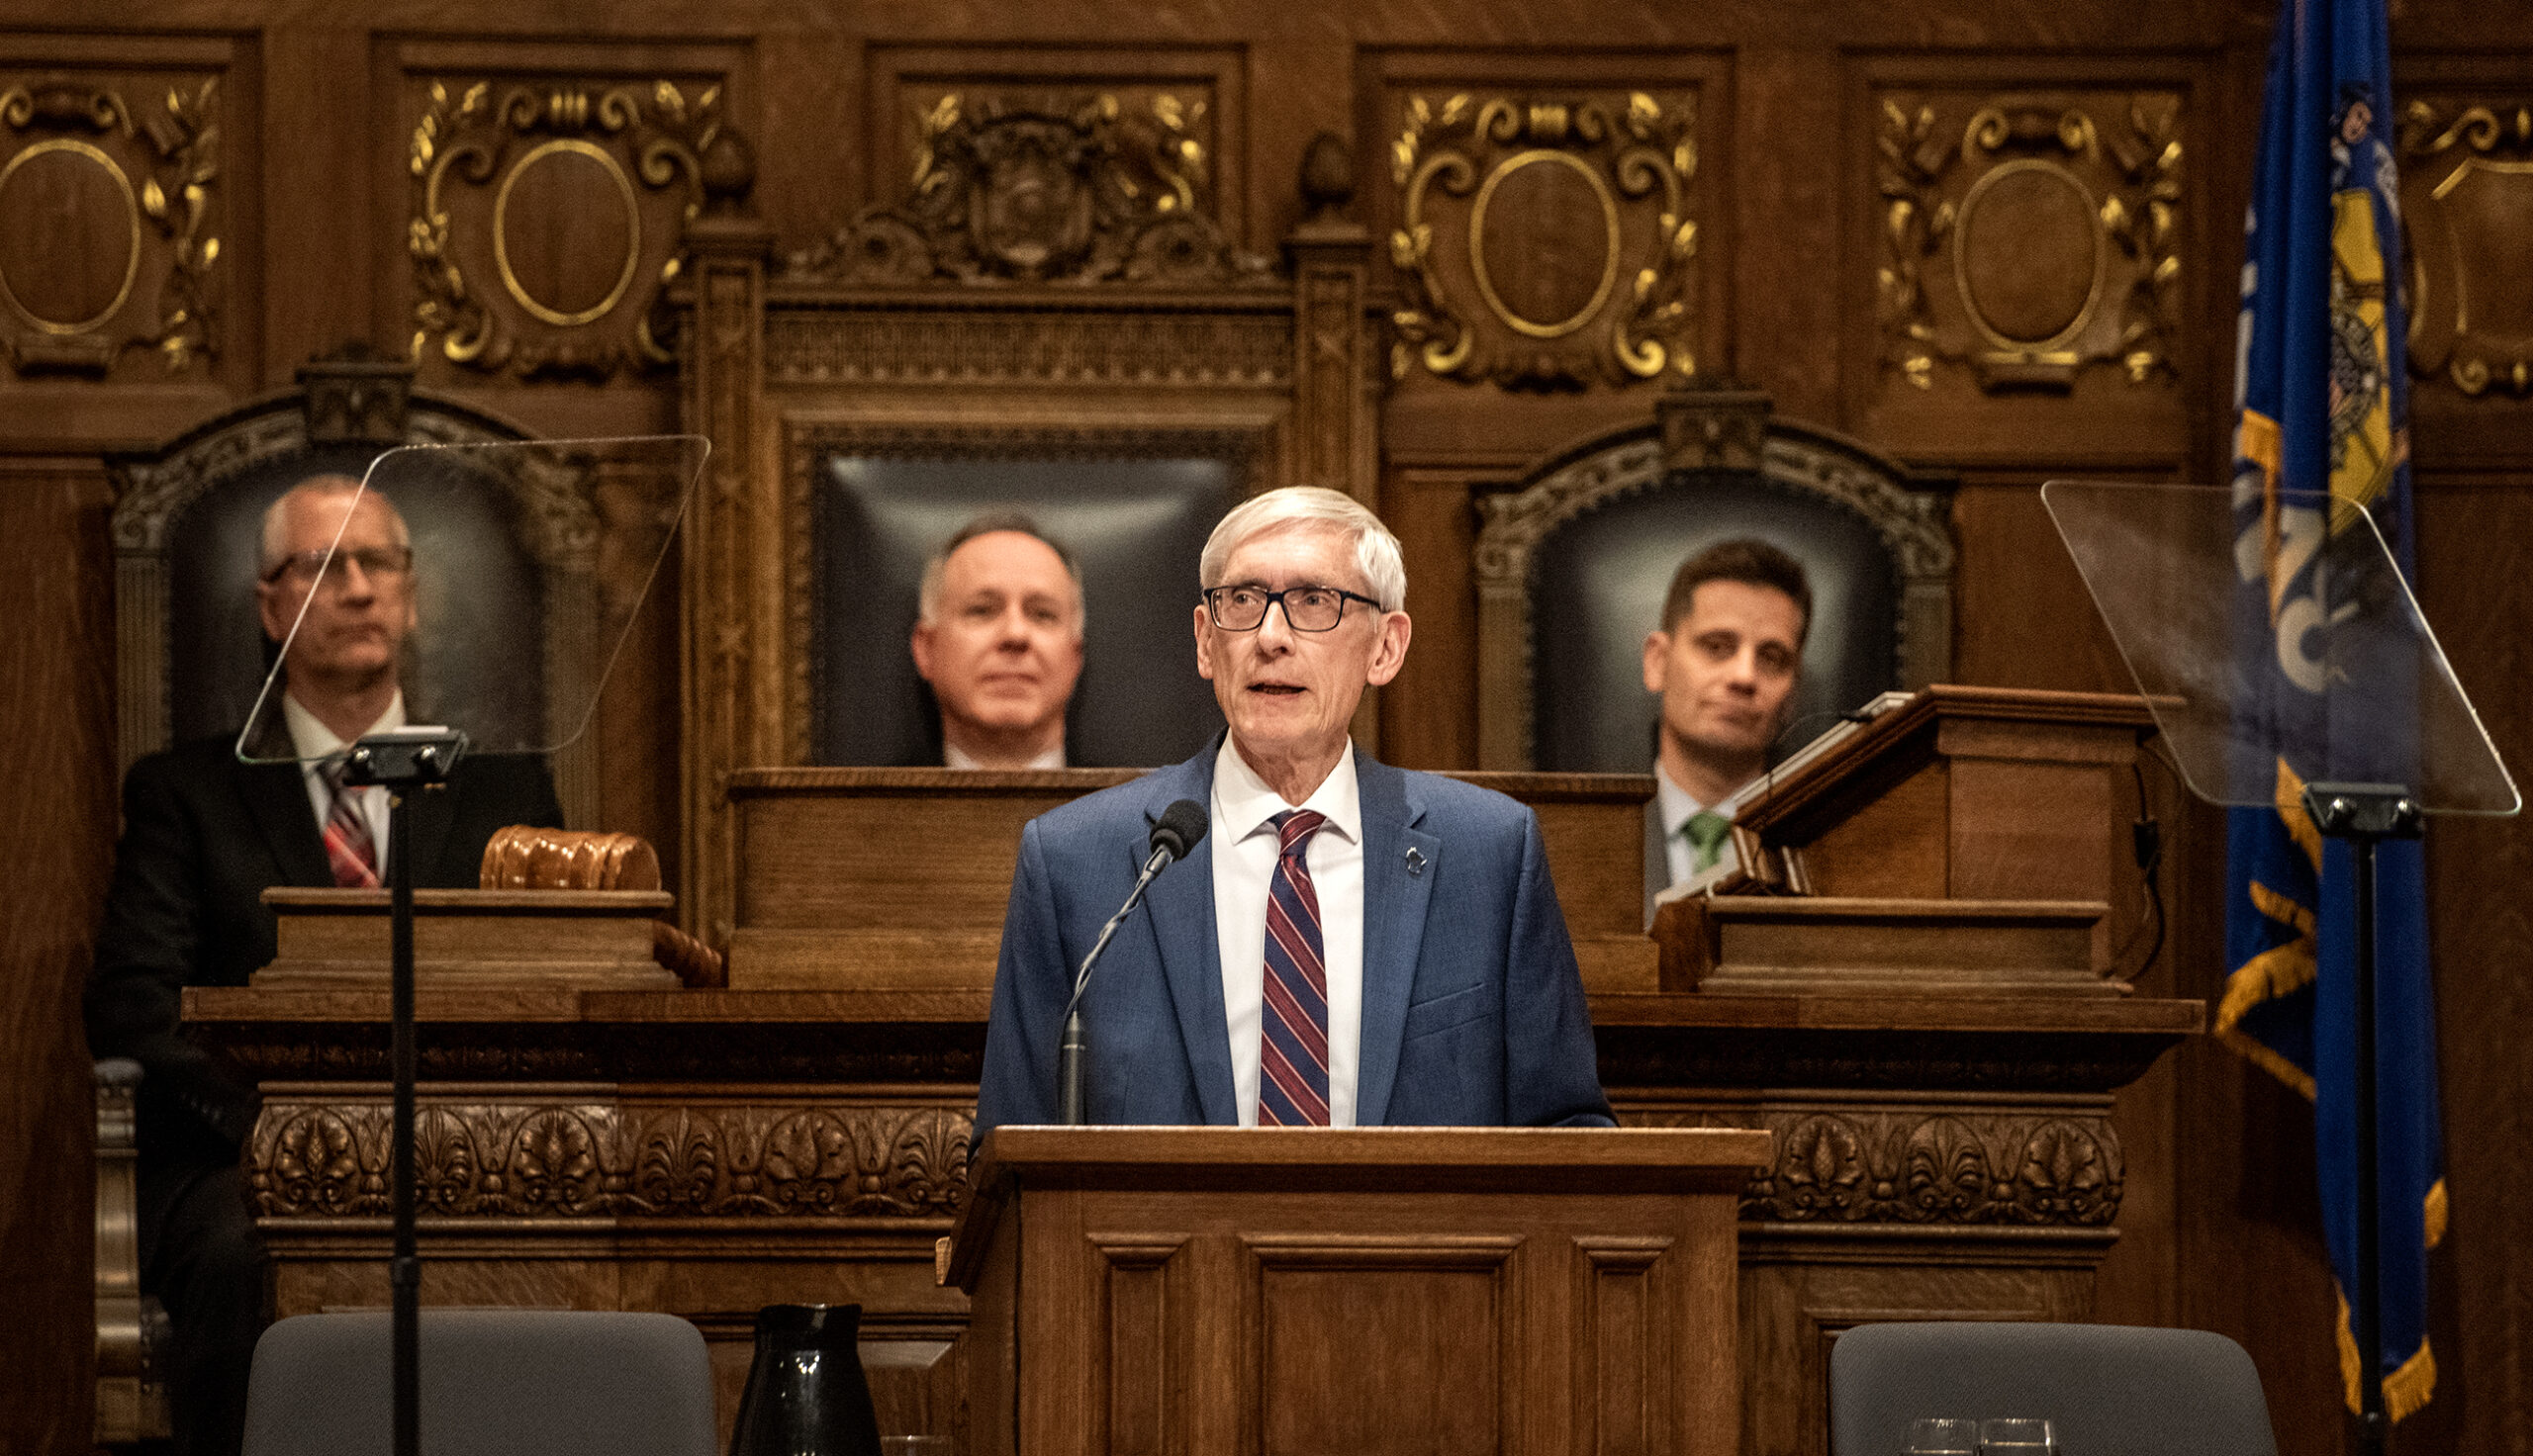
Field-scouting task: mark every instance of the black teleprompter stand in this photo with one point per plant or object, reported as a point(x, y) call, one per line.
point(2366, 815)
point(403, 762)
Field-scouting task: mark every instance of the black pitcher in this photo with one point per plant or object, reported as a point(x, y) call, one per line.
point(806, 1395)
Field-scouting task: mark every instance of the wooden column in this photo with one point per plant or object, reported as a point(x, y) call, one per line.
point(731, 707)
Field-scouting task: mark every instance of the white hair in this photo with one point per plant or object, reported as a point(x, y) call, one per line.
point(277, 515)
point(1376, 551)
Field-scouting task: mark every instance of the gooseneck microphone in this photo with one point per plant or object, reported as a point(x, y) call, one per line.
point(1180, 826)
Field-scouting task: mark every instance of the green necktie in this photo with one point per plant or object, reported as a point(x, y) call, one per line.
point(1706, 830)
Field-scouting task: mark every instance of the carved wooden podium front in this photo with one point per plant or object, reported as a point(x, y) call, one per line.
point(1526, 1291)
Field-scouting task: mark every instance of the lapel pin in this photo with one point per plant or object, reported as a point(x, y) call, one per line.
point(1415, 861)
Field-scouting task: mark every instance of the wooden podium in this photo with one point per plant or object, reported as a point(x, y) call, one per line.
point(1962, 843)
point(1360, 1290)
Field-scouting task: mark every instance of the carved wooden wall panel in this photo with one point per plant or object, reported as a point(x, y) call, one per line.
point(2467, 200)
point(1049, 165)
point(2024, 257)
point(114, 208)
point(544, 200)
point(1547, 227)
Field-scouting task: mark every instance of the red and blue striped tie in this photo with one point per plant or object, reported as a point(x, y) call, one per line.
point(349, 852)
point(1292, 1032)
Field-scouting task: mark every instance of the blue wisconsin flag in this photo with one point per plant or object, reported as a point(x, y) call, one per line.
point(2322, 401)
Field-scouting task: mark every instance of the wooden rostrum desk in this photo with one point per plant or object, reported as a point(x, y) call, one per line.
point(1942, 1139)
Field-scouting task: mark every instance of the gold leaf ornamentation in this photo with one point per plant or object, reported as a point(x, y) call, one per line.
point(1046, 189)
point(468, 151)
point(160, 161)
point(2117, 301)
point(1632, 158)
point(2466, 164)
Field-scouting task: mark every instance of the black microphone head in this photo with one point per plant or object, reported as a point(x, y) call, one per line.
point(1182, 825)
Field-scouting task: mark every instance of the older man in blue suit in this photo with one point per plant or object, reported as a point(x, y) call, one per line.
point(1350, 944)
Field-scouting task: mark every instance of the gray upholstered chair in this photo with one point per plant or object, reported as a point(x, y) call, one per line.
point(494, 1383)
point(1572, 567)
point(2106, 1389)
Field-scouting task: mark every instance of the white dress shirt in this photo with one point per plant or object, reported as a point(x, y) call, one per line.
point(1678, 808)
point(315, 744)
point(953, 758)
point(1245, 851)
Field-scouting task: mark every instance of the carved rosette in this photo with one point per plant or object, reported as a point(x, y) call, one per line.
point(570, 1159)
point(106, 234)
point(1928, 1166)
point(2026, 239)
point(1047, 189)
point(1545, 242)
point(546, 220)
point(2467, 180)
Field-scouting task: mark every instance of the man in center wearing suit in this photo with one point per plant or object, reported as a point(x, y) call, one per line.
point(204, 834)
point(1350, 944)
point(997, 637)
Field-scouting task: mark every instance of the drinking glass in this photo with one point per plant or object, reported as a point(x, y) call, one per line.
point(2016, 1435)
point(1935, 1435)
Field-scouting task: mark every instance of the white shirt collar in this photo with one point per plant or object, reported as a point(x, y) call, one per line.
point(314, 743)
point(1245, 802)
point(952, 757)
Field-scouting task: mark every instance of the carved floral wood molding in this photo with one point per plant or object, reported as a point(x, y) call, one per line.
point(1046, 189)
point(328, 1157)
point(1949, 1166)
point(965, 348)
point(105, 237)
point(2031, 241)
point(2467, 180)
point(546, 220)
point(1489, 295)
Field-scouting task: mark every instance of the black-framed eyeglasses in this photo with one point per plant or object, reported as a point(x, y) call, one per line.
point(373, 561)
point(1307, 609)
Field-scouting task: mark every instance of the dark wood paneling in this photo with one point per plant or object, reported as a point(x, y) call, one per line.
point(1430, 713)
point(314, 204)
point(2476, 585)
point(316, 278)
point(59, 800)
point(2022, 617)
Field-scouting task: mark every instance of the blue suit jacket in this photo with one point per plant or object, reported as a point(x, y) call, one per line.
point(1473, 1011)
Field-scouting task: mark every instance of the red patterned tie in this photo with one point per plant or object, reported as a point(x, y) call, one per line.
point(1292, 1039)
point(348, 848)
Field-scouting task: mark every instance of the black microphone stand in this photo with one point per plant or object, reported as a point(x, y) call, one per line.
point(1068, 1050)
point(402, 762)
point(2365, 815)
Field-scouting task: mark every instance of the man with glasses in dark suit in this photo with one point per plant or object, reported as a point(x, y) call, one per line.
point(207, 827)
